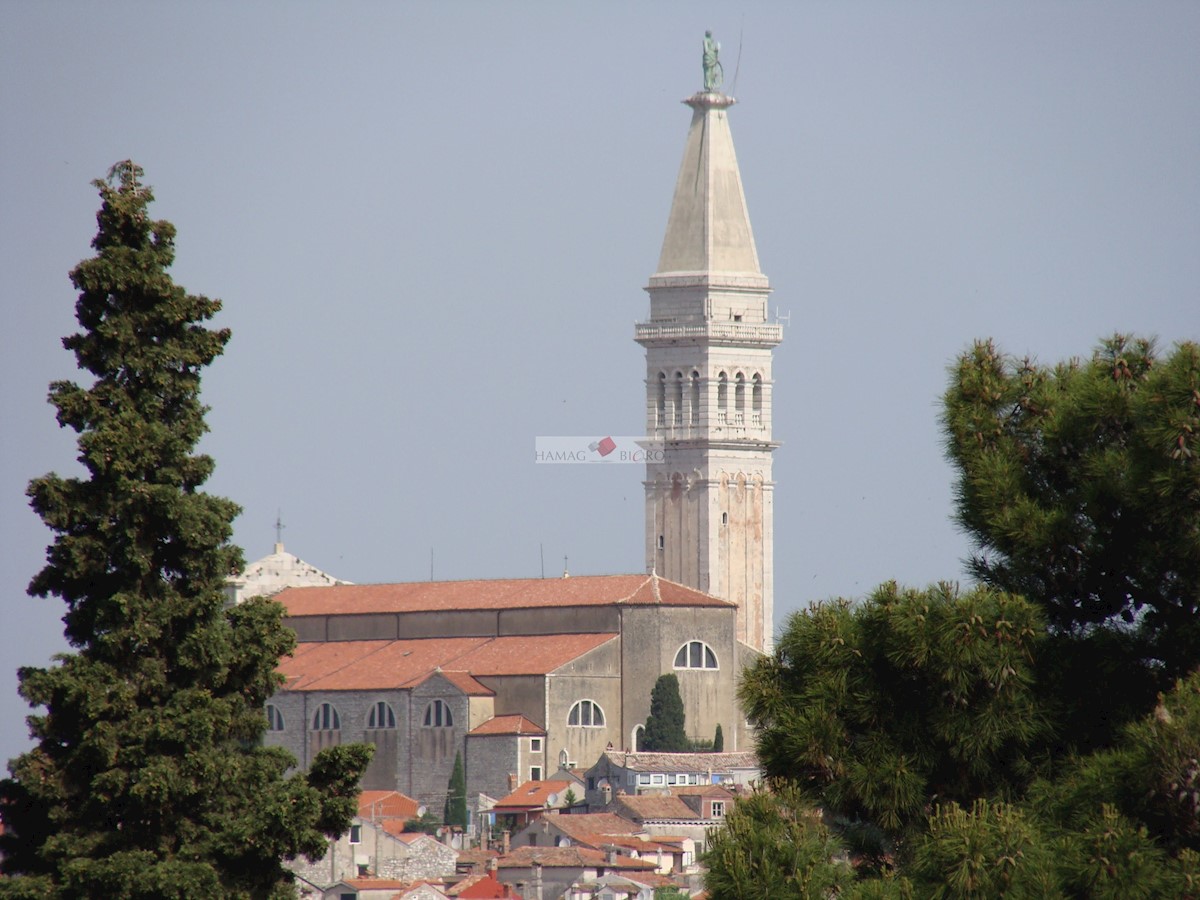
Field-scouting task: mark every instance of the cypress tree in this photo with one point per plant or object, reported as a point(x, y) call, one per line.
point(147, 778)
point(718, 740)
point(665, 728)
point(456, 795)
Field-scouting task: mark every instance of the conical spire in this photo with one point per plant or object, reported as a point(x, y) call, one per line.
point(709, 227)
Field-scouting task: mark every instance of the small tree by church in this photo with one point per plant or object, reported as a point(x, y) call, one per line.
point(147, 778)
point(665, 730)
point(456, 795)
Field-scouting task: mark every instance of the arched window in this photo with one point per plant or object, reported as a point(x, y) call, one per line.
point(696, 655)
point(695, 398)
point(756, 399)
point(274, 718)
point(660, 406)
point(586, 714)
point(381, 716)
point(635, 738)
point(739, 399)
point(326, 718)
point(678, 398)
point(722, 397)
point(437, 715)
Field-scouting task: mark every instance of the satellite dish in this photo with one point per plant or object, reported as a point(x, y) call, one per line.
point(421, 810)
point(552, 800)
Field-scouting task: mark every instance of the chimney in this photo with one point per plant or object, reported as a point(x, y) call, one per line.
point(512, 781)
point(506, 844)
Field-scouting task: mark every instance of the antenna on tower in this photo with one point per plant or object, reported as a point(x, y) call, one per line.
point(786, 319)
point(566, 573)
point(542, 554)
point(279, 526)
point(737, 66)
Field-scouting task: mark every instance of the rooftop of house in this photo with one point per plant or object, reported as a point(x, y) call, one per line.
point(585, 826)
point(376, 805)
point(383, 665)
point(645, 807)
point(682, 762)
point(513, 724)
point(506, 593)
point(568, 857)
point(533, 794)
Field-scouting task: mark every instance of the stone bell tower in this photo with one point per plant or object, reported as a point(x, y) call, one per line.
point(709, 495)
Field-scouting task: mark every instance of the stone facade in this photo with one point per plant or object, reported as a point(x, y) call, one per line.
point(369, 849)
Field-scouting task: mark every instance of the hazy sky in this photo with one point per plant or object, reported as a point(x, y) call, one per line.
point(431, 223)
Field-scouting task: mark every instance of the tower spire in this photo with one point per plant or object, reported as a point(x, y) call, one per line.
point(709, 496)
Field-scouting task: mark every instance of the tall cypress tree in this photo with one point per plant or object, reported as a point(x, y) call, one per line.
point(456, 795)
point(665, 731)
point(147, 778)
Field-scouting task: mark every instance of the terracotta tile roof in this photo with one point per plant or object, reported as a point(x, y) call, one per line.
point(682, 762)
point(702, 790)
point(532, 795)
point(568, 857)
point(376, 884)
point(480, 887)
point(476, 856)
point(515, 724)
point(514, 593)
point(376, 805)
point(384, 665)
point(653, 806)
point(581, 827)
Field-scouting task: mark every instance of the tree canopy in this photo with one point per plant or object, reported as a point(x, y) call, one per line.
point(1080, 485)
point(1037, 735)
point(147, 778)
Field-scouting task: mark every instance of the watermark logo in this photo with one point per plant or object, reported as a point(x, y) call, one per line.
point(606, 450)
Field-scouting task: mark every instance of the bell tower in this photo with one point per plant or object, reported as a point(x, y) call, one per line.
point(709, 495)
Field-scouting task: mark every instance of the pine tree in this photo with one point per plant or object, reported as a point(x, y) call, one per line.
point(456, 795)
point(665, 730)
point(147, 778)
point(1080, 485)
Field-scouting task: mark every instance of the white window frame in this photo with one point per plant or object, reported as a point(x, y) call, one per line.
point(694, 648)
point(535, 745)
point(718, 809)
point(586, 709)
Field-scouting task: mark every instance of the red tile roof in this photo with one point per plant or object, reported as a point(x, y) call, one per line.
point(481, 887)
point(532, 795)
point(583, 827)
point(515, 724)
point(568, 857)
point(376, 805)
point(515, 593)
point(383, 665)
point(652, 806)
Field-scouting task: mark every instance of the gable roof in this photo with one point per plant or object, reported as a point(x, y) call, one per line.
point(532, 794)
point(568, 857)
point(514, 724)
point(375, 805)
point(387, 665)
point(461, 680)
point(653, 806)
point(682, 762)
point(504, 593)
point(585, 826)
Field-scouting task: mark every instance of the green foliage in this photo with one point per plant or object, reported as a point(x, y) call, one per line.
point(665, 730)
point(1080, 485)
point(718, 740)
point(147, 779)
point(456, 795)
point(992, 851)
point(774, 847)
point(873, 709)
point(670, 893)
point(569, 798)
point(426, 824)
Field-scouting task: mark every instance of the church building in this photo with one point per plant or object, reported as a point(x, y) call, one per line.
point(526, 676)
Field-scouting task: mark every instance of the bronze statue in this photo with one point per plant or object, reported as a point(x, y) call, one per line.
point(714, 75)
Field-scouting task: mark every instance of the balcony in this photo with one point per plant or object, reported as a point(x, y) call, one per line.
point(763, 334)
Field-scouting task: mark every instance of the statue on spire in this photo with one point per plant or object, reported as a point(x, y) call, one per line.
point(714, 75)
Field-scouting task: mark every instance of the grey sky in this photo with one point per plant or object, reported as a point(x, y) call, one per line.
point(431, 224)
